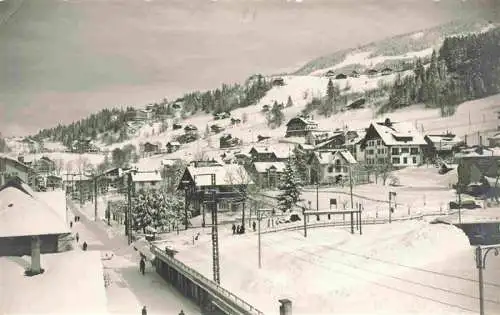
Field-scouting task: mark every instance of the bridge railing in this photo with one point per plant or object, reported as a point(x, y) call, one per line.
point(207, 284)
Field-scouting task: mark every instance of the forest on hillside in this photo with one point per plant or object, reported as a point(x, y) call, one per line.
point(113, 122)
point(465, 68)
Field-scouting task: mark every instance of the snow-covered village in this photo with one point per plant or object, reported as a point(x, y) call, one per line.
point(365, 181)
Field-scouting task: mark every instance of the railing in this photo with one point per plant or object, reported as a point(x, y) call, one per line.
point(208, 285)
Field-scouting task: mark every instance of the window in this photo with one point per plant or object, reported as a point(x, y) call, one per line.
point(153, 183)
point(369, 152)
point(378, 142)
point(414, 160)
point(395, 151)
point(414, 151)
point(405, 160)
point(405, 150)
point(337, 166)
point(395, 160)
point(330, 169)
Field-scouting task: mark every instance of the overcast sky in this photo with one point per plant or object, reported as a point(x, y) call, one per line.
point(61, 60)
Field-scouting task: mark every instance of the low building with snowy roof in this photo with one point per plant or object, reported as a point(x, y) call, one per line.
point(396, 143)
point(270, 153)
point(28, 226)
point(494, 141)
point(73, 282)
point(172, 146)
point(445, 144)
point(331, 166)
point(267, 175)
point(146, 180)
point(231, 179)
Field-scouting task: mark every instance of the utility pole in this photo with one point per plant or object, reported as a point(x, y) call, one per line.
point(128, 213)
point(186, 187)
point(215, 234)
point(95, 198)
point(391, 193)
point(259, 218)
point(481, 254)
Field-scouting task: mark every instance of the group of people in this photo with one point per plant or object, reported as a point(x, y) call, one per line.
point(240, 229)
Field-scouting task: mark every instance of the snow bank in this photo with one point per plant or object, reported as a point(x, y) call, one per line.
point(331, 271)
point(72, 283)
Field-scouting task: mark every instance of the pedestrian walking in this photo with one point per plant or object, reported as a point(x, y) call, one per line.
point(144, 310)
point(77, 237)
point(142, 266)
point(254, 225)
point(238, 229)
point(234, 229)
point(182, 313)
point(70, 224)
point(84, 246)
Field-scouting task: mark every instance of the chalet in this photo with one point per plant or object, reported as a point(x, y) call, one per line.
point(168, 163)
point(340, 76)
point(28, 225)
point(228, 141)
point(44, 166)
point(262, 138)
point(278, 82)
point(223, 115)
point(83, 145)
point(53, 182)
point(235, 121)
point(443, 145)
point(173, 146)
point(190, 128)
point(144, 114)
point(386, 71)
point(495, 140)
point(187, 137)
point(330, 166)
point(268, 154)
point(330, 73)
point(354, 74)
point(216, 128)
point(371, 72)
point(357, 104)
point(267, 175)
point(79, 186)
point(353, 144)
point(143, 180)
point(335, 140)
point(314, 137)
point(176, 126)
point(300, 126)
point(477, 163)
point(112, 179)
point(231, 179)
point(10, 168)
point(399, 144)
point(150, 148)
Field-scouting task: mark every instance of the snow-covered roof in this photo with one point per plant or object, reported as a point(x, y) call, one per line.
point(262, 167)
point(174, 143)
point(327, 157)
point(476, 152)
point(7, 157)
point(169, 162)
point(496, 136)
point(304, 120)
point(444, 142)
point(73, 282)
point(225, 175)
point(279, 151)
point(146, 177)
point(399, 133)
point(23, 214)
point(360, 136)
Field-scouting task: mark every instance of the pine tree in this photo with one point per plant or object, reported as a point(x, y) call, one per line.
point(290, 188)
point(289, 102)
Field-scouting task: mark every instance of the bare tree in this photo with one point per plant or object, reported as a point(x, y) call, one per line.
point(244, 186)
point(384, 171)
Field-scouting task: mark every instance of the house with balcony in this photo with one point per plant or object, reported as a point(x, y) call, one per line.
point(267, 175)
point(269, 154)
point(395, 143)
point(173, 146)
point(149, 148)
point(11, 167)
point(353, 144)
point(230, 179)
point(300, 126)
point(331, 166)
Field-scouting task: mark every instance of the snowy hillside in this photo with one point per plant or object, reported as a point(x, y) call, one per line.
point(399, 48)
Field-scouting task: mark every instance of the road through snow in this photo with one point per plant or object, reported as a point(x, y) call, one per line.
point(129, 291)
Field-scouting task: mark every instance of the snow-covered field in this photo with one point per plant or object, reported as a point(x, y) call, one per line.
point(73, 282)
point(404, 267)
point(421, 190)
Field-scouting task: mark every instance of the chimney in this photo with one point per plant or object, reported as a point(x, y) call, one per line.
point(465, 140)
point(35, 256)
point(387, 122)
point(480, 141)
point(285, 307)
point(20, 158)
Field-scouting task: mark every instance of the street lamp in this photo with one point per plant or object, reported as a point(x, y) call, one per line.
point(481, 254)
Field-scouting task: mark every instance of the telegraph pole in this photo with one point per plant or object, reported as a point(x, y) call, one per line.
point(95, 199)
point(128, 213)
point(215, 233)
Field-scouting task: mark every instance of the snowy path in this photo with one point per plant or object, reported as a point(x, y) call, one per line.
point(129, 290)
